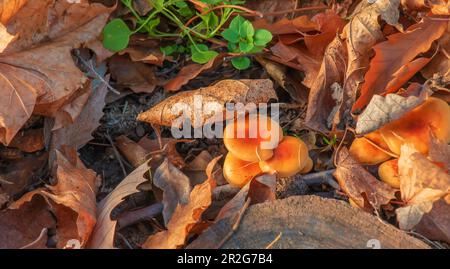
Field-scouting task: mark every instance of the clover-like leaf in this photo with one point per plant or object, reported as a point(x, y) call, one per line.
point(231, 35)
point(241, 63)
point(116, 35)
point(201, 53)
point(262, 37)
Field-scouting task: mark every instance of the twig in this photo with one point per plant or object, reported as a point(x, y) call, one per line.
point(236, 224)
point(117, 154)
point(323, 177)
point(41, 235)
point(436, 245)
point(109, 87)
point(269, 246)
point(132, 217)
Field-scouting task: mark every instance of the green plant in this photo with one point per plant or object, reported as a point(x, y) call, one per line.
point(242, 38)
point(196, 28)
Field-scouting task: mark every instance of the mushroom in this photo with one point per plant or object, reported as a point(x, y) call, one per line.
point(415, 126)
point(369, 149)
point(238, 172)
point(260, 135)
point(289, 158)
point(388, 172)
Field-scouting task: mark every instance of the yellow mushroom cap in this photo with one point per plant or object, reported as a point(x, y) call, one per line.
point(252, 138)
point(388, 172)
point(289, 158)
point(415, 126)
point(238, 172)
point(366, 153)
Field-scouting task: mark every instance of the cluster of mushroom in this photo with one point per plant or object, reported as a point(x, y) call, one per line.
point(415, 127)
point(261, 150)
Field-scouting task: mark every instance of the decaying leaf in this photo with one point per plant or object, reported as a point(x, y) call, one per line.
point(72, 198)
point(396, 52)
point(185, 216)
point(103, 234)
point(382, 110)
point(134, 153)
point(359, 184)
point(321, 102)
point(422, 183)
point(175, 185)
point(435, 224)
point(41, 77)
point(226, 91)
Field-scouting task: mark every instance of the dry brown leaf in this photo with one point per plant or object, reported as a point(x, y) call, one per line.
point(80, 132)
point(188, 73)
point(137, 76)
point(422, 183)
point(382, 110)
point(286, 26)
point(329, 24)
point(69, 112)
point(41, 77)
point(440, 64)
point(321, 101)
point(258, 190)
point(435, 225)
point(359, 184)
point(175, 185)
point(72, 198)
point(23, 226)
point(438, 7)
point(396, 52)
point(226, 91)
point(29, 140)
point(132, 151)
point(185, 217)
point(439, 152)
point(144, 51)
point(104, 231)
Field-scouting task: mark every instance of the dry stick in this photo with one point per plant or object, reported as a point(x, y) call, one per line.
point(269, 246)
point(132, 217)
point(236, 224)
point(323, 177)
point(117, 154)
point(41, 235)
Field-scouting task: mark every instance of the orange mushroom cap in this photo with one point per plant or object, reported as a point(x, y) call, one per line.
point(415, 126)
point(238, 172)
point(253, 138)
point(289, 158)
point(366, 153)
point(388, 172)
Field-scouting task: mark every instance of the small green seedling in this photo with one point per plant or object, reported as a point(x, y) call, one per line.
point(243, 38)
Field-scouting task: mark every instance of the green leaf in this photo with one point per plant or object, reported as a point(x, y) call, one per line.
point(236, 23)
point(241, 63)
point(262, 37)
point(233, 47)
point(158, 4)
point(231, 35)
point(201, 54)
point(169, 50)
point(245, 47)
point(246, 29)
point(116, 35)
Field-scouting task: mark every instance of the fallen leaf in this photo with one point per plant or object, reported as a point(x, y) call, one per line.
point(175, 185)
point(132, 151)
point(438, 7)
point(439, 151)
point(382, 110)
point(422, 183)
point(188, 73)
point(104, 231)
point(258, 190)
point(40, 78)
point(301, 24)
point(396, 52)
point(21, 227)
point(225, 91)
point(329, 24)
point(72, 197)
point(137, 76)
point(29, 140)
point(440, 64)
point(359, 184)
point(80, 132)
point(435, 225)
point(321, 102)
point(185, 217)
point(144, 51)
